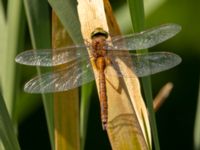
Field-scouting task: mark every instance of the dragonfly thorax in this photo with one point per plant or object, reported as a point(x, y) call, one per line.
point(99, 37)
point(98, 46)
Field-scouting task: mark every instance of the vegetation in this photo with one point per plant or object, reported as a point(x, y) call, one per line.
point(27, 25)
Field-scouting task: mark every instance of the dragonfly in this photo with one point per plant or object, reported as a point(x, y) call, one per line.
point(103, 53)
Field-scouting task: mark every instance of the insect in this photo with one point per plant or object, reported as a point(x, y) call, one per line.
point(103, 53)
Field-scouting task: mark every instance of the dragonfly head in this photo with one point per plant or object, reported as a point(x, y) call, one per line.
point(99, 32)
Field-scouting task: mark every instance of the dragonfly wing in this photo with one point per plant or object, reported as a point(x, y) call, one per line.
point(74, 75)
point(145, 64)
point(49, 57)
point(145, 39)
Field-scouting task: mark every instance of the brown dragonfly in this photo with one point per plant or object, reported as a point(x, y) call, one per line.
point(104, 53)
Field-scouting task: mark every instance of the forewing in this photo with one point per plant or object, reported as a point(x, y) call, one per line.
point(49, 57)
point(144, 64)
point(75, 75)
point(145, 39)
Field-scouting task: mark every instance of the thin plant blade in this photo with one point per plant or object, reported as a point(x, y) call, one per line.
point(136, 8)
point(123, 14)
point(38, 17)
point(3, 38)
point(15, 32)
point(137, 13)
point(86, 91)
point(7, 134)
point(67, 13)
point(197, 125)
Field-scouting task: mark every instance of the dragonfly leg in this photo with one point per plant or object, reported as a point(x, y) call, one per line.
point(108, 61)
point(93, 62)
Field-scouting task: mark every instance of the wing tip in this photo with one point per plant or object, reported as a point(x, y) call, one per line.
point(175, 58)
point(18, 58)
point(176, 27)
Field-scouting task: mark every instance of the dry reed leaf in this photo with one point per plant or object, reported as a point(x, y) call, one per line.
point(162, 96)
point(128, 124)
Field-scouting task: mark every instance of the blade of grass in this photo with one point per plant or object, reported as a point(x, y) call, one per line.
point(86, 91)
point(136, 8)
point(38, 18)
point(138, 19)
point(15, 41)
point(3, 38)
point(7, 134)
point(67, 13)
point(123, 14)
point(9, 45)
point(197, 125)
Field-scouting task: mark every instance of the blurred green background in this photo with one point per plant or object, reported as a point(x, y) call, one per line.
point(175, 119)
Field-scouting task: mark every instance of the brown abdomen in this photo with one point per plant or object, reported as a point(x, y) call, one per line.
point(102, 91)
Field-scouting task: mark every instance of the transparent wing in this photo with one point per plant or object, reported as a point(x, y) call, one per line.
point(145, 39)
point(49, 57)
point(74, 75)
point(145, 64)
